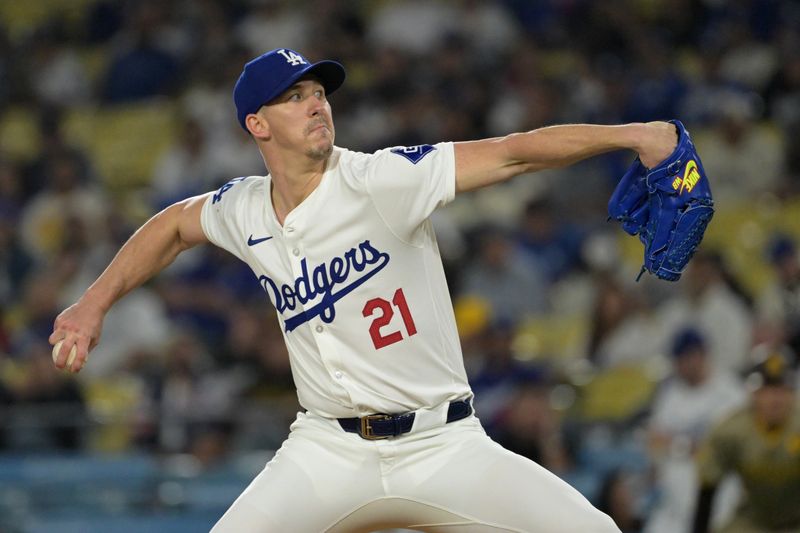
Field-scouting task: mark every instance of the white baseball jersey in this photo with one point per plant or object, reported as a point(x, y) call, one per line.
point(356, 278)
point(358, 284)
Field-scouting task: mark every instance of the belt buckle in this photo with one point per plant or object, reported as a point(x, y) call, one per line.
point(366, 427)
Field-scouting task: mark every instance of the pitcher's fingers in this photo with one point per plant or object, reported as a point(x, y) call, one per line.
point(56, 336)
point(81, 356)
point(61, 352)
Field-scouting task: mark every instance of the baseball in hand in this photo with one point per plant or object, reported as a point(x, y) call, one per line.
point(72, 353)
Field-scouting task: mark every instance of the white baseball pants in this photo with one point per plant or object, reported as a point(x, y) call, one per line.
point(445, 479)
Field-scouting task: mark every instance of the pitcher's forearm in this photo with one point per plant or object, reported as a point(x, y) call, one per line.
point(151, 249)
point(559, 146)
point(488, 161)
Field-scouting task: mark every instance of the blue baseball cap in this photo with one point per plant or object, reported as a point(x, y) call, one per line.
point(268, 75)
point(686, 340)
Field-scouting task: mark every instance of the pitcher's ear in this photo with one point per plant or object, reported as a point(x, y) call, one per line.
point(258, 126)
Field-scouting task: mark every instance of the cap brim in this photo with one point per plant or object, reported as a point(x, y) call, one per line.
point(330, 74)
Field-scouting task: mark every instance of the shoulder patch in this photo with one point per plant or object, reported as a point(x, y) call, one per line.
point(413, 153)
point(224, 188)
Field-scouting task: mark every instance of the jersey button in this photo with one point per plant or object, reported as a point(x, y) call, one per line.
point(338, 374)
point(289, 229)
point(296, 251)
point(319, 329)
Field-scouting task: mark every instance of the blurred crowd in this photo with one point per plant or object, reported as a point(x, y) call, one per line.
point(610, 383)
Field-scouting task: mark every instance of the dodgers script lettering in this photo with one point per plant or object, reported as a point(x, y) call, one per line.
point(344, 273)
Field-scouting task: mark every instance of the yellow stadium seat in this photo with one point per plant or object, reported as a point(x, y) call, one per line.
point(112, 403)
point(616, 395)
point(19, 137)
point(124, 141)
point(554, 336)
point(23, 16)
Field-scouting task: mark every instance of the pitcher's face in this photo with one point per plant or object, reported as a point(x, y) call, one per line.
point(300, 119)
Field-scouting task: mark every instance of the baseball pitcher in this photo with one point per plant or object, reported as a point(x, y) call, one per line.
point(342, 246)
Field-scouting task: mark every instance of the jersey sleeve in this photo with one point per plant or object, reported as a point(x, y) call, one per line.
point(222, 216)
point(407, 183)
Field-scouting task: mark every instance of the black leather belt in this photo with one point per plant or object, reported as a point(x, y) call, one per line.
point(383, 426)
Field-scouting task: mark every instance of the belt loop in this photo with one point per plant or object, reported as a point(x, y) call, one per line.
point(431, 417)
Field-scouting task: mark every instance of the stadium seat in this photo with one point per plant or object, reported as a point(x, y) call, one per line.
point(20, 17)
point(616, 395)
point(551, 337)
point(18, 135)
point(124, 141)
point(111, 401)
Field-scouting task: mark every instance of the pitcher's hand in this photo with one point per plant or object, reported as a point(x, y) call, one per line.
point(78, 325)
point(658, 141)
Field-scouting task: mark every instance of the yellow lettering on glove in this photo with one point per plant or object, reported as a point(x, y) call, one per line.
point(690, 177)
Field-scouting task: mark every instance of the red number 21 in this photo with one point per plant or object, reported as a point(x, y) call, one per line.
point(384, 307)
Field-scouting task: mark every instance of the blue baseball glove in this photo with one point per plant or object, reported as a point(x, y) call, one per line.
point(668, 207)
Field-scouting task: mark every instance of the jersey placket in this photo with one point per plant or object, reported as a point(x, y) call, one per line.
point(326, 346)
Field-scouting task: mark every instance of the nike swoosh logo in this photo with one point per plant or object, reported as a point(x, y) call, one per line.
point(252, 242)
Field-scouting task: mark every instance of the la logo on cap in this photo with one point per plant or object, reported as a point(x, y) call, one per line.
point(292, 58)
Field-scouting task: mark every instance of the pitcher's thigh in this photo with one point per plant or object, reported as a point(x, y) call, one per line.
point(306, 487)
point(477, 478)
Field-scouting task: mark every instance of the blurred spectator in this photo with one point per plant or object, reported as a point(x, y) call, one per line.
point(759, 443)
point(711, 301)
point(186, 168)
point(15, 263)
point(199, 293)
point(35, 310)
point(412, 26)
point(745, 158)
point(791, 184)
point(11, 194)
point(686, 406)
point(747, 61)
point(211, 445)
point(778, 305)
point(553, 241)
point(512, 282)
point(187, 395)
point(208, 103)
point(66, 197)
point(525, 103)
point(784, 92)
point(103, 20)
point(257, 343)
point(271, 24)
point(618, 499)
point(499, 373)
point(54, 145)
point(621, 327)
point(659, 86)
point(6, 67)
point(57, 75)
point(141, 66)
point(207, 100)
point(531, 427)
point(692, 398)
point(488, 26)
